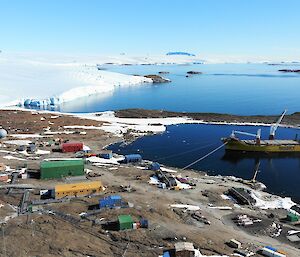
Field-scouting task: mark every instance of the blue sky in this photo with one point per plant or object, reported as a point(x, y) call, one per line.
point(221, 27)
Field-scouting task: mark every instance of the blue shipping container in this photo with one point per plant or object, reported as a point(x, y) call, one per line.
point(166, 254)
point(271, 248)
point(133, 158)
point(110, 201)
point(144, 223)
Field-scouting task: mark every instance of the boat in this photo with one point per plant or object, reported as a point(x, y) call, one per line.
point(271, 145)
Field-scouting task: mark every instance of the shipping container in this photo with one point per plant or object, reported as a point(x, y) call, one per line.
point(267, 251)
point(125, 222)
point(144, 223)
point(71, 147)
point(110, 202)
point(271, 248)
point(78, 189)
point(61, 168)
point(132, 158)
point(166, 254)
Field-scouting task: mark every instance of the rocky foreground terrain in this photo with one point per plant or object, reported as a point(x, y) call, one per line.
point(44, 234)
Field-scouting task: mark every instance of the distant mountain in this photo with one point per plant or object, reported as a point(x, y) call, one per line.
point(180, 53)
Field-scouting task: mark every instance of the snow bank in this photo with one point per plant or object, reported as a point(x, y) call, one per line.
point(267, 201)
point(119, 126)
point(48, 80)
point(18, 142)
point(186, 206)
point(99, 161)
point(23, 136)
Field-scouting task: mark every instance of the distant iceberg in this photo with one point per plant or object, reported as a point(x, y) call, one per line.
point(180, 53)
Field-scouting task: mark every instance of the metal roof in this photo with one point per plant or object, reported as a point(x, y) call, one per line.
point(78, 186)
point(125, 218)
point(60, 163)
point(184, 246)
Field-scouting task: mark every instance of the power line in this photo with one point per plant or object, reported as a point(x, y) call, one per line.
point(200, 159)
point(185, 152)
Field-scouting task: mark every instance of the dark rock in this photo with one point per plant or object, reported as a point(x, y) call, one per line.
point(157, 79)
point(194, 72)
point(289, 70)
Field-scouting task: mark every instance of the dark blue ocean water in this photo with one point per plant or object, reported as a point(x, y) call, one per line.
point(222, 88)
point(181, 145)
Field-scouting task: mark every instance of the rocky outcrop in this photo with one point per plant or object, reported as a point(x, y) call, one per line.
point(289, 70)
point(194, 72)
point(289, 120)
point(157, 79)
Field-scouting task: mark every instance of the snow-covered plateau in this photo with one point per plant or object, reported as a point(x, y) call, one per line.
point(44, 80)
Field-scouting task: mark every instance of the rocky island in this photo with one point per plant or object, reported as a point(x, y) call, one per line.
point(194, 72)
point(157, 78)
point(290, 70)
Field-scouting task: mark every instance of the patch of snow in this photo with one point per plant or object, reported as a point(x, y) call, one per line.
point(182, 185)
point(99, 161)
point(223, 208)
point(168, 170)
point(141, 168)
point(22, 136)
point(10, 152)
point(293, 232)
point(267, 201)
point(119, 126)
point(186, 206)
point(42, 152)
point(18, 142)
point(153, 181)
point(86, 148)
point(225, 197)
point(9, 157)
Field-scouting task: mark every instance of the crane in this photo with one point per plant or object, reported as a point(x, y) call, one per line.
point(257, 135)
point(256, 171)
point(274, 127)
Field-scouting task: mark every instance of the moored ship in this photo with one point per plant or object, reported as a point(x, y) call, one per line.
point(272, 145)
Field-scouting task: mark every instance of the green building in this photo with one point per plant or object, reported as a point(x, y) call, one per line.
point(61, 168)
point(125, 222)
point(292, 217)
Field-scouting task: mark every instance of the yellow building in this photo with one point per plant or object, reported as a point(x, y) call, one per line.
point(78, 189)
